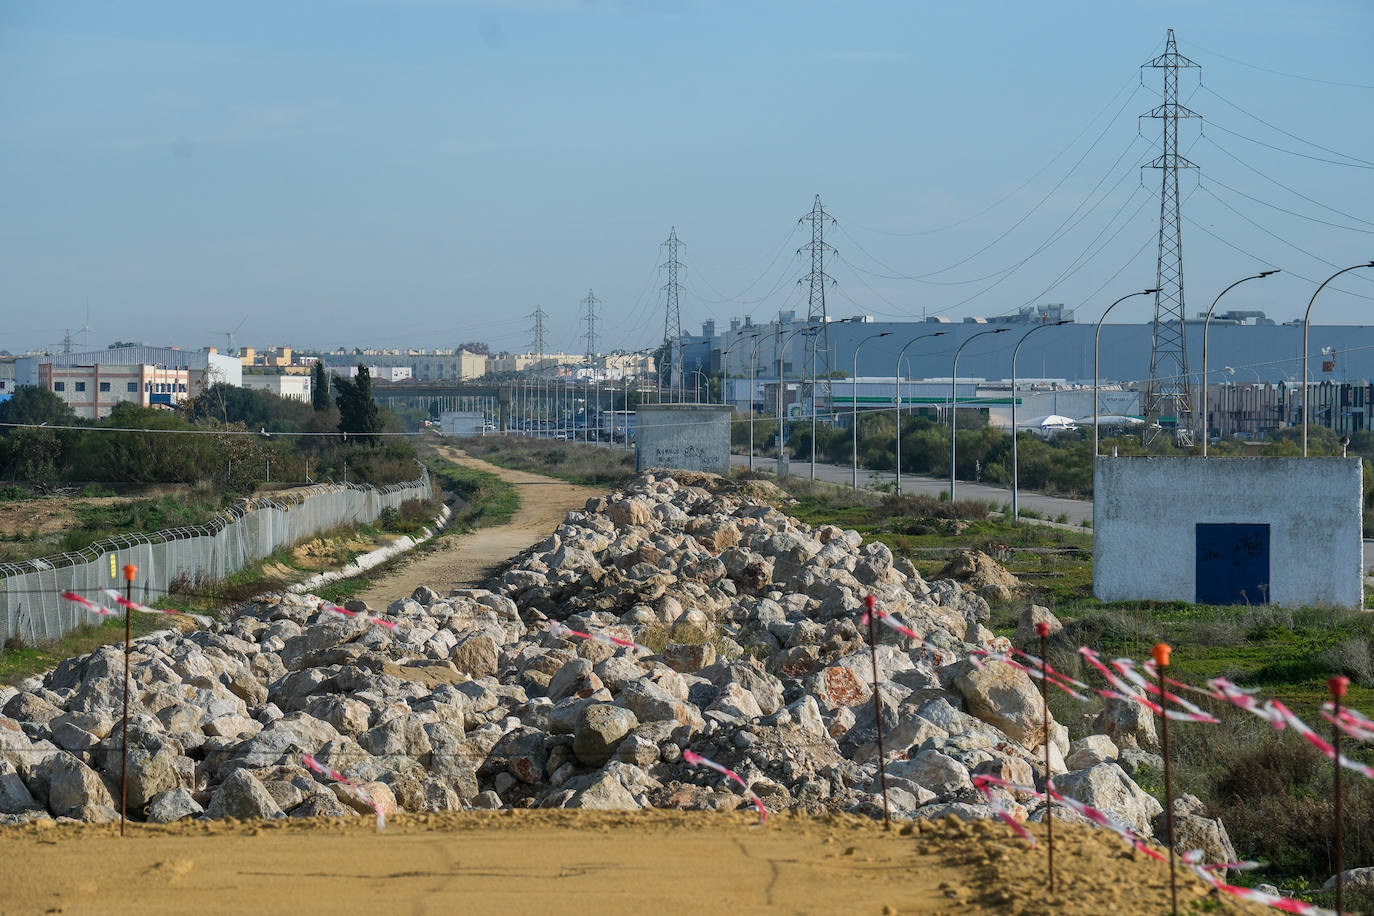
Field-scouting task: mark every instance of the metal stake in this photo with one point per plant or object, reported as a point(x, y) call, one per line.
point(870, 602)
point(1338, 685)
point(1043, 629)
point(1161, 656)
point(129, 572)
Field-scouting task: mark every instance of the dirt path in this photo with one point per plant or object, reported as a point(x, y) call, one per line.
point(467, 559)
point(611, 864)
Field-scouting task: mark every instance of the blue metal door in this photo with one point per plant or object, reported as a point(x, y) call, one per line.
point(1232, 564)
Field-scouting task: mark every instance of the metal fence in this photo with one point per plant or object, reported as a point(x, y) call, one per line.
point(31, 605)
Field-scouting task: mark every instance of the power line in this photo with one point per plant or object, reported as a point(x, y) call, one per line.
point(1290, 190)
point(1274, 235)
point(1325, 149)
point(1024, 184)
point(1280, 149)
point(1296, 76)
point(1265, 203)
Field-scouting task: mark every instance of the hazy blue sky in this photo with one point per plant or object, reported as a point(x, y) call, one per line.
point(427, 172)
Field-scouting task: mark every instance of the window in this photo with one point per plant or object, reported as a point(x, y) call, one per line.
point(182, 387)
point(133, 388)
point(59, 386)
point(104, 386)
point(80, 386)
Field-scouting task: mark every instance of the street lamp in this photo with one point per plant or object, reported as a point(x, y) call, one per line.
point(725, 362)
point(1096, 340)
point(954, 403)
point(897, 378)
point(1015, 505)
point(854, 402)
point(1206, 326)
point(782, 351)
point(814, 340)
point(1305, 318)
point(752, 356)
point(696, 387)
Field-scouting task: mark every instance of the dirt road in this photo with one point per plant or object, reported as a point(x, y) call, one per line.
point(466, 559)
point(608, 863)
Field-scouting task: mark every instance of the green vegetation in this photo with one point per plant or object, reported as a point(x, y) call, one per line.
point(576, 462)
point(485, 499)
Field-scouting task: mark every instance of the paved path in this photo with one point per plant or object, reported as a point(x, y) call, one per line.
point(1051, 507)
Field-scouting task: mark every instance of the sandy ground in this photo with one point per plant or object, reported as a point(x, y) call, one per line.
point(467, 559)
point(579, 862)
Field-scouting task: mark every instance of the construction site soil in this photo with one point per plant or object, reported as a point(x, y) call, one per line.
point(583, 862)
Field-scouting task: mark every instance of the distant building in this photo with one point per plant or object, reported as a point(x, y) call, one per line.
point(203, 367)
point(296, 387)
point(93, 391)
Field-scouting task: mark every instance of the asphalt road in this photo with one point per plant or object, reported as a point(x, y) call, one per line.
point(1076, 511)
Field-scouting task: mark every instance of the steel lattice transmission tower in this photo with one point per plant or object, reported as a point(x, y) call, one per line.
point(538, 341)
point(1167, 397)
point(591, 302)
point(815, 312)
point(672, 320)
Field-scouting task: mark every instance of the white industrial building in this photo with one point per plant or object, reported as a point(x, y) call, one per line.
point(297, 387)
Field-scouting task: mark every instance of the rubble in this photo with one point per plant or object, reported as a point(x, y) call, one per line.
point(757, 662)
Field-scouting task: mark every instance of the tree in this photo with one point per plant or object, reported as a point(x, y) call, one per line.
point(358, 414)
point(319, 387)
point(33, 405)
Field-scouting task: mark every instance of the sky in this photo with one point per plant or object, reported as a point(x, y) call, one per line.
point(424, 173)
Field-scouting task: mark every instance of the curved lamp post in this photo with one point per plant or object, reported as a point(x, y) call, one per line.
point(1015, 504)
point(897, 378)
point(752, 356)
point(1206, 326)
point(1305, 318)
point(854, 402)
point(782, 351)
point(696, 387)
point(1097, 338)
point(954, 403)
point(725, 363)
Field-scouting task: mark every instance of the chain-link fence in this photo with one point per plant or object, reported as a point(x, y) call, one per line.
point(31, 606)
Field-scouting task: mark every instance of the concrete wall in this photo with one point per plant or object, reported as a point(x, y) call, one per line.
point(692, 437)
point(1146, 512)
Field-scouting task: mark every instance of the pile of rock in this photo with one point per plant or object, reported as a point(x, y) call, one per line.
point(471, 701)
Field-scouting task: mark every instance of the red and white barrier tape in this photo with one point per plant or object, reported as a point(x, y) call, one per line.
point(330, 608)
point(1352, 723)
point(982, 781)
point(692, 758)
point(892, 622)
point(143, 609)
point(1284, 904)
point(317, 767)
point(558, 629)
point(89, 605)
point(985, 785)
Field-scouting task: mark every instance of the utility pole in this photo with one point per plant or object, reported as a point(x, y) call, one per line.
point(672, 319)
point(538, 344)
point(1168, 398)
point(591, 302)
point(815, 312)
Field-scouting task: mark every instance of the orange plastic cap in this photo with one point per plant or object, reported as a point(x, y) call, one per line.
point(1042, 628)
point(1338, 685)
point(1161, 654)
point(870, 602)
point(130, 570)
